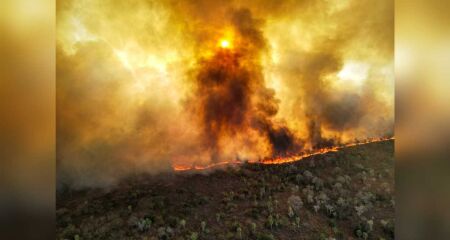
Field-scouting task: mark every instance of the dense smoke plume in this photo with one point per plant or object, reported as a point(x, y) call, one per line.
point(145, 85)
point(231, 98)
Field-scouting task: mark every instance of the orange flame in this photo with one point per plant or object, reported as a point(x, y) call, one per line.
point(279, 159)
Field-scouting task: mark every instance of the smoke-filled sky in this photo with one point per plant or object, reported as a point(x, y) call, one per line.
point(144, 84)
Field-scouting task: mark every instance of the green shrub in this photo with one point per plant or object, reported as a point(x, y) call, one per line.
point(203, 226)
point(193, 236)
point(239, 232)
point(253, 228)
point(144, 224)
point(218, 217)
point(270, 222)
point(265, 236)
point(182, 223)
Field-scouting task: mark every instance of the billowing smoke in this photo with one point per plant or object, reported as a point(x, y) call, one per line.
point(231, 98)
point(146, 85)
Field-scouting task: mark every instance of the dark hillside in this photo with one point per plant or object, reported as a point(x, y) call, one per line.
point(339, 195)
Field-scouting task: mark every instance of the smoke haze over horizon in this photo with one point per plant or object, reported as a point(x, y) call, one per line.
point(144, 84)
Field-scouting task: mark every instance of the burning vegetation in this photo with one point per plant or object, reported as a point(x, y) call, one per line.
point(279, 159)
point(233, 105)
point(157, 85)
point(187, 119)
point(345, 194)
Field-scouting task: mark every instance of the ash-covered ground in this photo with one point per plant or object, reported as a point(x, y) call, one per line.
point(339, 195)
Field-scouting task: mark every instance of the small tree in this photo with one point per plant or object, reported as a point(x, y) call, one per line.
point(193, 236)
point(183, 223)
point(203, 225)
point(297, 221)
point(270, 221)
point(290, 212)
point(239, 232)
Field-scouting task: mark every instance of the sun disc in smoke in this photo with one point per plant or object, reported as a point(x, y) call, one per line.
point(225, 43)
point(354, 72)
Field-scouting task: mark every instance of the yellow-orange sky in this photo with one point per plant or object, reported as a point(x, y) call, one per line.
point(125, 73)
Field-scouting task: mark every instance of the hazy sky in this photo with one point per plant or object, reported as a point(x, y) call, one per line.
point(133, 95)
